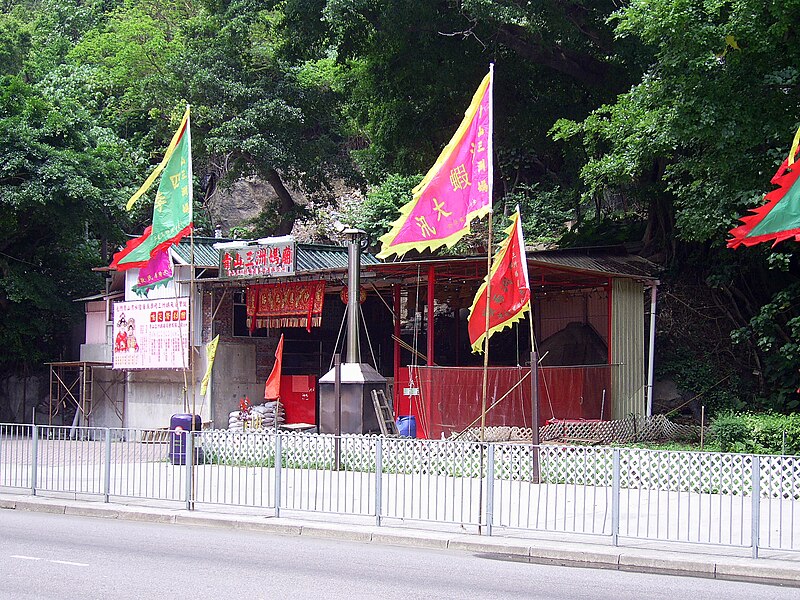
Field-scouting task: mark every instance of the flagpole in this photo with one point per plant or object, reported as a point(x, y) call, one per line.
point(490, 179)
point(192, 303)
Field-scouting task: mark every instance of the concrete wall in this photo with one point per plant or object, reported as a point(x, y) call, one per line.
point(108, 398)
point(234, 377)
point(153, 397)
point(20, 395)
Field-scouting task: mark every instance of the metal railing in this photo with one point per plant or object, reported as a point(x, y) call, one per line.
point(744, 501)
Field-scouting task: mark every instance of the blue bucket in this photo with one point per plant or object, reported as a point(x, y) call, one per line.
point(407, 426)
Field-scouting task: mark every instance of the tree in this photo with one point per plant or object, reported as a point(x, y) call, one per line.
point(691, 147)
point(61, 183)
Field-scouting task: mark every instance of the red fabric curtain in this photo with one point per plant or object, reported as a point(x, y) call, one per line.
point(450, 397)
point(286, 304)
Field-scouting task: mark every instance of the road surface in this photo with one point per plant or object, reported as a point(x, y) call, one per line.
point(45, 556)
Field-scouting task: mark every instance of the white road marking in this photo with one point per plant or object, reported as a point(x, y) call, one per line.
point(66, 562)
point(57, 562)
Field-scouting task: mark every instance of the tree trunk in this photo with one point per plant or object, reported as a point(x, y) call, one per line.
point(287, 205)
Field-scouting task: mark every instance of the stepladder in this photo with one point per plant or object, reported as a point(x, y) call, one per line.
point(385, 414)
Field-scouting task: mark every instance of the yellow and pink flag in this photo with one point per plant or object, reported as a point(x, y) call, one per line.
point(456, 190)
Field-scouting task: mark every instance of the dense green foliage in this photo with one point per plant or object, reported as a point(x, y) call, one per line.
point(750, 433)
point(653, 123)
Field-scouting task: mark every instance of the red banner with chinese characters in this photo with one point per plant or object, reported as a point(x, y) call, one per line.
point(265, 259)
point(289, 304)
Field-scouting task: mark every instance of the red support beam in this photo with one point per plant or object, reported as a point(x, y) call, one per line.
point(609, 287)
point(396, 367)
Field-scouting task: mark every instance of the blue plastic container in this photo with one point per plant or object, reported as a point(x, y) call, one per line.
point(178, 425)
point(407, 426)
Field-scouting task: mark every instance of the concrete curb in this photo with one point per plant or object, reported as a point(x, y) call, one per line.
point(671, 566)
point(552, 552)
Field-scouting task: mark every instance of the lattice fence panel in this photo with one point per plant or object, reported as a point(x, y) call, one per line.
point(433, 457)
point(703, 472)
point(700, 472)
point(642, 429)
point(780, 477)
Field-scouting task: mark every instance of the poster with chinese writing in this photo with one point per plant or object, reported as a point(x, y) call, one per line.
point(151, 334)
point(266, 260)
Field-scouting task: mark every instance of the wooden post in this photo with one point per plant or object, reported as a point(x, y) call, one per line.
point(431, 297)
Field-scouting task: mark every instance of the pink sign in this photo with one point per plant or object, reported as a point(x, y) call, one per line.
point(151, 334)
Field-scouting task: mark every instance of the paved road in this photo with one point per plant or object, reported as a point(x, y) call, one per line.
point(44, 556)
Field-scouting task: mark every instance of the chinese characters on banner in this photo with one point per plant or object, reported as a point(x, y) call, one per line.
point(455, 190)
point(263, 259)
point(151, 334)
point(157, 272)
point(510, 288)
point(285, 304)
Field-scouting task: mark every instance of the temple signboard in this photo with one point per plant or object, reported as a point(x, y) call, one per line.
point(268, 257)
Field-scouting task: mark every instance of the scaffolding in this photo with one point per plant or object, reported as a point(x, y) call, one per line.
point(72, 388)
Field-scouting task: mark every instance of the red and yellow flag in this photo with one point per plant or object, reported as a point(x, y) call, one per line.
point(456, 190)
point(779, 218)
point(510, 289)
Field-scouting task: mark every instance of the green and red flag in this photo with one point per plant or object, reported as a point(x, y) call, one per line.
point(779, 218)
point(172, 209)
point(456, 190)
point(510, 288)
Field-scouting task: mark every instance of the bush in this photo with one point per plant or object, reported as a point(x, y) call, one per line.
point(731, 432)
point(757, 433)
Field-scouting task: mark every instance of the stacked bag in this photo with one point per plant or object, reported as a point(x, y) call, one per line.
point(261, 416)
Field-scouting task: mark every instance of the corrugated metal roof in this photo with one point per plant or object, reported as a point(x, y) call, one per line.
point(310, 257)
point(594, 262)
point(610, 261)
point(318, 257)
point(204, 254)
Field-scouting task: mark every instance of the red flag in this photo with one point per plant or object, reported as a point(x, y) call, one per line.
point(510, 289)
point(456, 190)
point(779, 218)
point(272, 390)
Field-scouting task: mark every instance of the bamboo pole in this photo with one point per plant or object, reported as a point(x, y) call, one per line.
point(490, 151)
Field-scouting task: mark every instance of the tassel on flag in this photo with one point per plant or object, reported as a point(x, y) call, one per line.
point(456, 190)
point(272, 389)
point(510, 289)
point(172, 209)
point(779, 218)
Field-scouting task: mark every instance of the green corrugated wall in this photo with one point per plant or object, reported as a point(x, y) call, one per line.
point(628, 349)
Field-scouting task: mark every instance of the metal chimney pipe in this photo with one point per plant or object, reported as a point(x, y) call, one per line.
point(353, 349)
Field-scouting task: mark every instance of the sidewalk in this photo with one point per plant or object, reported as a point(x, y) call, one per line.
point(635, 555)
